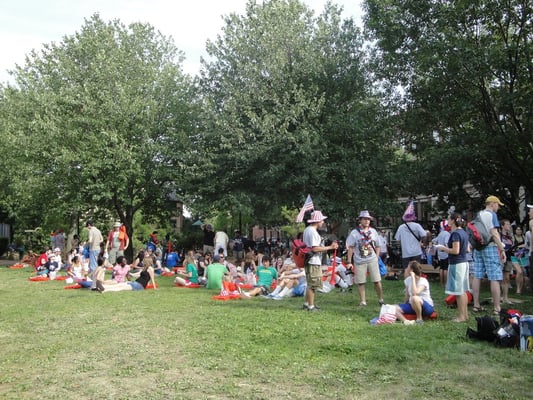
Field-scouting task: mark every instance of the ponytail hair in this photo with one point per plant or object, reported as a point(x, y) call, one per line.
point(458, 219)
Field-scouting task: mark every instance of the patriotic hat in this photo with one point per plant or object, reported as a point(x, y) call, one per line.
point(409, 215)
point(365, 214)
point(316, 216)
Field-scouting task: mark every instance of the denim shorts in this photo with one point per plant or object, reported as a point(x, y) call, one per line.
point(136, 285)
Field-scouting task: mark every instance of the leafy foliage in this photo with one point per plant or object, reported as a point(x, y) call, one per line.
point(291, 111)
point(99, 123)
point(464, 68)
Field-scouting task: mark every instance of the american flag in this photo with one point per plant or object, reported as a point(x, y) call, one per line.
point(308, 205)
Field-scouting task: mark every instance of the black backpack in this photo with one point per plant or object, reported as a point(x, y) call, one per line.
point(508, 334)
point(486, 329)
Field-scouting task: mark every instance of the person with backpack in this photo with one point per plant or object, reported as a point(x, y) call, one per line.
point(457, 282)
point(488, 259)
point(313, 263)
point(410, 234)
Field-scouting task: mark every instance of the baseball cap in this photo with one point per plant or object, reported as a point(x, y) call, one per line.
point(493, 199)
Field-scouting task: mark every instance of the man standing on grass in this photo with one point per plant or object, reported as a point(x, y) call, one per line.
point(94, 241)
point(313, 265)
point(488, 260)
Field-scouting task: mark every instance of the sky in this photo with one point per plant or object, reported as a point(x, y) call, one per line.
point(28, 24)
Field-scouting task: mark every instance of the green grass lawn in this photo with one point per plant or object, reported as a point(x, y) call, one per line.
point(175, 343)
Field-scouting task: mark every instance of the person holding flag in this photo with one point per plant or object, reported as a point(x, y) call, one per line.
point(313, 264)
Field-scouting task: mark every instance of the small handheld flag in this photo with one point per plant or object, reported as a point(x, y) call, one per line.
point(308, 205)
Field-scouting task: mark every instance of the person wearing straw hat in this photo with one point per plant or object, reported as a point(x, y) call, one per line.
point(313, 264)
point(489, 260)
point(117, 242)
point(363, 251)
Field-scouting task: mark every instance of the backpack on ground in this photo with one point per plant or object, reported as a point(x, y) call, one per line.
point(486, 329)
point(508, 334)
point(478, 235)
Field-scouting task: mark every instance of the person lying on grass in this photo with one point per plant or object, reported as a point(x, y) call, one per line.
point(417, 296)
point(146, 276)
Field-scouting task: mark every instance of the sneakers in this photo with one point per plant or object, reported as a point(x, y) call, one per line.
point(314, 309)
point(419, 321)
point(381, 302)
point(408, 322)
point(307, 308)
point(362, 304)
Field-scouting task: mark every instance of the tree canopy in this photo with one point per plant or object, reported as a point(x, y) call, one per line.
point(290, 110)
point(98, 124)
point(465, 73)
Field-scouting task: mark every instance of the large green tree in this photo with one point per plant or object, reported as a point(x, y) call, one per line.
point(464, 69)
point(99, 125)
point(291, 110)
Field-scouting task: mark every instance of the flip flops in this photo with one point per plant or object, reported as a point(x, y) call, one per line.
point(479, 309)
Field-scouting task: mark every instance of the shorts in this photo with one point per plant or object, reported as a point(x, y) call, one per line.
point(313, 276)
point(299, 290)
point(264, 289)
point(427, 309)
point(371, 267)
point(508, 266)
point(458, 282)
point(521, 261)
point(443, 264)
point(407, 260)
point(136, 285)
point(487, 262)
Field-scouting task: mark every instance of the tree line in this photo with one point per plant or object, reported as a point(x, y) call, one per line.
point(429, 98)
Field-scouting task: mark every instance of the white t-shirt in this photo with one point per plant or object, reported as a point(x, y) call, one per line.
point(424, 294)
point(355, 239)
point(409, 243)
point(311, 238)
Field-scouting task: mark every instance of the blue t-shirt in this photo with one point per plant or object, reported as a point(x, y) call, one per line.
point(459, 235)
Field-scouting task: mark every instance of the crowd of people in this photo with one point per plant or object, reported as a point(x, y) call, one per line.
point(279, 275)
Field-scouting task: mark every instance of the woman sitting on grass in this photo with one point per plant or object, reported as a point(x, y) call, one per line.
point(417, 296)
point(76, 271)
point(190, 276)
point(146, 276)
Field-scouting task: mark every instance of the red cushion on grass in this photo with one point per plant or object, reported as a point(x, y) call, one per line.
point(165, 273)
point(245, 286)
point(75, 286)
point(412, 317)
point(150, 286)
point(16, 266)
point(38, 278)
point(61, 278)
point(191, 286)
point(228, 297)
